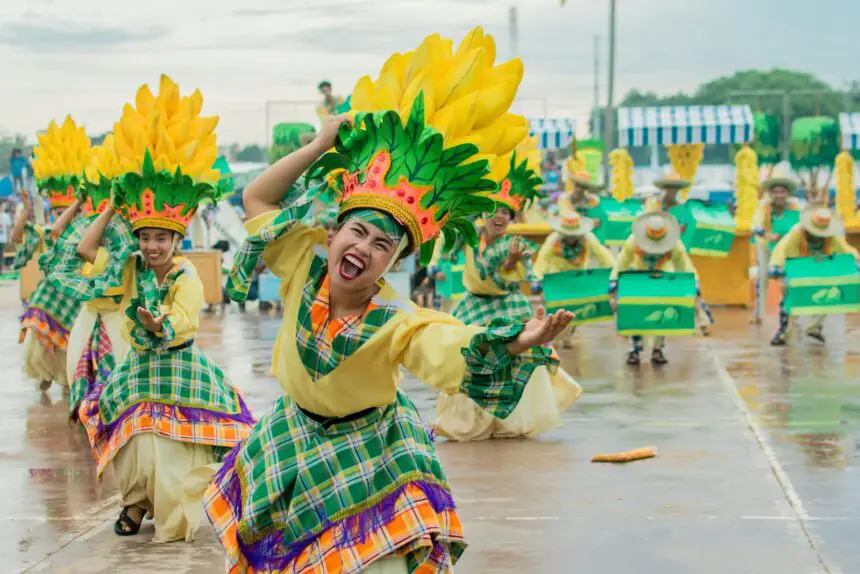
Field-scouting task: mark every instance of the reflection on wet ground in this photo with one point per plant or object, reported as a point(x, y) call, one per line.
point(757, 468)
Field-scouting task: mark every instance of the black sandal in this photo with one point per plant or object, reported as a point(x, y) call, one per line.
point(815, 334)
point(778, 341)
point(658, 358)
point(125, 526)
point(633, 358)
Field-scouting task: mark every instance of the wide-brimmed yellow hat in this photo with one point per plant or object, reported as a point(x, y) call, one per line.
point(571, 224)
point(781, 178)
point(583, 179)
point(673, 181)
point(656, 233)
point(821, 222)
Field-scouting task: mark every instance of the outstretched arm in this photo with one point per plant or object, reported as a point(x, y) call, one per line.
point(67, 216)
point(88, 248)
point(267, 190)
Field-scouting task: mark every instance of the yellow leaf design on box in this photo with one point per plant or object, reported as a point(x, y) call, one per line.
point(654, 317)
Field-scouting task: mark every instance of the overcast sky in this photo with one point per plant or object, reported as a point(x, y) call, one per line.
point(87, 57)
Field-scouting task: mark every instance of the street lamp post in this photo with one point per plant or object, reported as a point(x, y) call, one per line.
point(608, 119)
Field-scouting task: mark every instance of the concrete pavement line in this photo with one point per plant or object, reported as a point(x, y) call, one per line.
point(791, 495)
point(83, 535)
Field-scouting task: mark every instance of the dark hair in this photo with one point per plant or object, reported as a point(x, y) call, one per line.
point(324, 84)
point(222, 245)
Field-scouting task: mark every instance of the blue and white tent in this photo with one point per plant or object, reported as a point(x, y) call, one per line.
point(552, 133)
point(849, 125)
point(670, 125)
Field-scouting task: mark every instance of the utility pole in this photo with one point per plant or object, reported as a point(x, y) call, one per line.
point(608, 119)
point(595, 128)
point(512, 27)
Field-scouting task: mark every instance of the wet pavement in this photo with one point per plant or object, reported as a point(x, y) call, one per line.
point(757, 468)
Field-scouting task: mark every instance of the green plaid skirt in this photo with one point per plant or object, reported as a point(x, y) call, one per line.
point(179, 377)
point(484, 309)
point(298, 475)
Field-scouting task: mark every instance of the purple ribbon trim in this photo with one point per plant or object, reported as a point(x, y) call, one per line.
point(273, 553)
point(43, 316)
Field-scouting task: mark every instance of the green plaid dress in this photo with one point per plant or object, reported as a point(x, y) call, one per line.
point(157, 373)
point(484, 309)
point(51, 308)
point(298, 475)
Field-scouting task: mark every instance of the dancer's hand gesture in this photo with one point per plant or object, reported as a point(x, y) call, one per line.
point(541, 330)
point(150, 322)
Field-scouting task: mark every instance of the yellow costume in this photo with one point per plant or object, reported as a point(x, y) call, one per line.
point(551, 259)
point(359, 487)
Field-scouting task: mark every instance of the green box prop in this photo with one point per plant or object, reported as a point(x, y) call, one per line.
point(619, 219)
point(584, 292)
point(452, 287)
point(598, 214)
point(708, 230)
point(822, 285)
point(656, 303)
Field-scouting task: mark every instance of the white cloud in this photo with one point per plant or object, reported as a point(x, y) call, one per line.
point(243, 54)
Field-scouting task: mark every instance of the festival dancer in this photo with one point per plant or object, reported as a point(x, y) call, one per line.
point(669, 198)
point(340, 475)
point(571, 247)
point(654, 245)
point(330, 104)
point(777, 212)
point(61, 155)
point(584, 198)
point(166, 413)
point(819, 232)
point(493, 275)
point(95, 342)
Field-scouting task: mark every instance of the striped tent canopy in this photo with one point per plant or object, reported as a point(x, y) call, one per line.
point(552, 133)
point(849, 125)
point(685, 124)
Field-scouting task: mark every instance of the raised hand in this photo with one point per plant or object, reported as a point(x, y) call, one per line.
point(150, 322)
point(541, 330)
point(328, 133)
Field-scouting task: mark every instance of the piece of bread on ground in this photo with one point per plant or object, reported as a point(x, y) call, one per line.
point(629, 456)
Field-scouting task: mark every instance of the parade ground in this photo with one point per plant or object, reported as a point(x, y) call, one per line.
point(757, 466)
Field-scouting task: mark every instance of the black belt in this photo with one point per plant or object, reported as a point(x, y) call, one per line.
point(183, 346)
point(328, 421)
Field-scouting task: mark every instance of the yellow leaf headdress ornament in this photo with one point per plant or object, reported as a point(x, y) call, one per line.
point(60, 158)
point(432, 137)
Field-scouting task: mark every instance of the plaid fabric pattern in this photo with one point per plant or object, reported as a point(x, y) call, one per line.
point(322, 343)
point(185, 378)
point(489, 260)
point(164, 420)
point(65, 247)
point(239, 280)
point(93, 368)
point(48, 332)
point(430, 540)
point(495, 379)
point(484, 309)
point(149, 296)
point(29, 245)
point(120, 243)
point(299, 477)
point(58, 303)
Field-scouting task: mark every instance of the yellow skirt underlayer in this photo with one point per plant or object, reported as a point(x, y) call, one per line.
point(546, 396)
point(167, 478)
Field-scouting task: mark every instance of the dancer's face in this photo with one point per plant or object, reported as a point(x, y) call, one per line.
point(359, 254)
point(778, 195)
point(157, 245)
point(498, 224)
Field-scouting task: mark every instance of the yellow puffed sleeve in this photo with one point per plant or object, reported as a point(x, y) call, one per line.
point(600, 254)
point(625, 259)
point(788, 246)
point(681, 261)
point(183, 305)
point(839, 245)
point(282, 256)
point(428, 343)
point(543, 262)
